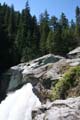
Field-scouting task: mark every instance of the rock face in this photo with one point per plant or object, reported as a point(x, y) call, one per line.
point(68, 109)
point(33, 71)
point(74, 53)
point(42, 73)
point(74, 57)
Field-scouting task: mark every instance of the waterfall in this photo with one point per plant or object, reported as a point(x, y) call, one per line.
point(19, 105)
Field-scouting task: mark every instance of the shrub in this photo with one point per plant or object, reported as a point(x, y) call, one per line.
point(69, 81)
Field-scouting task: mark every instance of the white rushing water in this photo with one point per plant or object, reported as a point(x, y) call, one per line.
point(19, 105)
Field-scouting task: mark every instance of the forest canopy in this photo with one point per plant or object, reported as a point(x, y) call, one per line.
point(23, 38)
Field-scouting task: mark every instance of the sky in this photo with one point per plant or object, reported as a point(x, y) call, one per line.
point(54, 7)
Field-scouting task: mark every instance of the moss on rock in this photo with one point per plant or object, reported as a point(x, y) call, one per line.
point(68, 85)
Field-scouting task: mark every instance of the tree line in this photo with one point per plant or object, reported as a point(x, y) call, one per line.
point(23, 38)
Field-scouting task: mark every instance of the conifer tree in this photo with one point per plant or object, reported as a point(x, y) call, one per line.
point(77, 29)
point(54, 23)
point(63, 21)
point(44, 35)
point(4, 48)
point(50, 42)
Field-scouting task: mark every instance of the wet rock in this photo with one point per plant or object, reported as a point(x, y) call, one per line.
point(43, 73)
point(68, 109)
point(33, 71)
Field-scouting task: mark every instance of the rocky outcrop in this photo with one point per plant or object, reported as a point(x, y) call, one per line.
point(74, 57)
point(34, 72)
point(73, 62)
point(42, 73)
point(74, 53)
point(68, 109)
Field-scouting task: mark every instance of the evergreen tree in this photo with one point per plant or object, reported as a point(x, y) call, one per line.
point(11, 27)
point(72, 25)
point(57, 43)
point(68, 41)
point(4, 48)
point(77, 29)
point(77, 15)
point(44, 17)
point(44, 30)
point(63, 21)
point(12, 35)
point(44, 35)
point(50, 42)
point(35, 38)
point(54, 23)
point(23, 39)
point(6, 18)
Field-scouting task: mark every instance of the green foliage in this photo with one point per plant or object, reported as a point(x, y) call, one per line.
point(44, 17)
point(54, 23)
point(22, 38)
point(77, 28)
point(19, 35)
point(44, 35)
point(63, 21)
point(78, 15)
point(68, 41)
point(70, 80)
point(25, 39)
point(4, 49)
point(50, 42)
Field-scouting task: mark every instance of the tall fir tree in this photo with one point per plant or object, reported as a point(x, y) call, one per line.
point(77, 29)
point(63, 21)
point(50, 42)
point(44, 35)
point(44, 30)
point(4, 48)
point(25, 39)
point(54, 23)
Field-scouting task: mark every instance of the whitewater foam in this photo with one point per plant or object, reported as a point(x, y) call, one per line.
point(19, 105)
